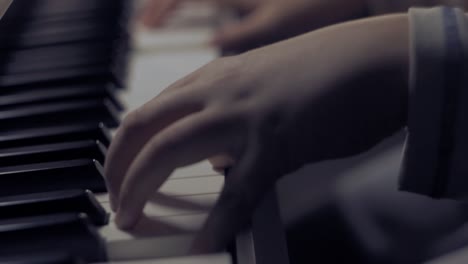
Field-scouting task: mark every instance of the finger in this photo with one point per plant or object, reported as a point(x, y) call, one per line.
point(242, 191)
point(156, 11)
point(243, 33)
point(188, 141)
point(221, 162)
point(138, 127)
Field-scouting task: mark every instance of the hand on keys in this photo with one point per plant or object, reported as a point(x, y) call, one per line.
point(327, 94)
point(266, 21)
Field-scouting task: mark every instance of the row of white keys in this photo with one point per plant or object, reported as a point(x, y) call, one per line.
point(194, 185)
point(170, 218)
point(180, 207)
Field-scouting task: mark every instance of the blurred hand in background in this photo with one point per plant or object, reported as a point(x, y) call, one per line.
point(265, 21)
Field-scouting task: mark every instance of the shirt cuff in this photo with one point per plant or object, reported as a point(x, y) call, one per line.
point(435, 161)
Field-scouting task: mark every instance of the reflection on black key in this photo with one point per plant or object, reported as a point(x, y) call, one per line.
point(53, 95)
point(59, 134)
point(72, 201)
point(80, 112)
point(87, 149)
point(59, 232)
point(52, 176)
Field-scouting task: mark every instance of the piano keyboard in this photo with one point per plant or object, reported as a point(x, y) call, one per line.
point(63, 88)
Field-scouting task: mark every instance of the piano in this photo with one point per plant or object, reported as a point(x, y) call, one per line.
point(69, 70)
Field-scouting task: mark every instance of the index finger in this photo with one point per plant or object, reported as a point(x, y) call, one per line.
point(138, 127)
point(190, 140)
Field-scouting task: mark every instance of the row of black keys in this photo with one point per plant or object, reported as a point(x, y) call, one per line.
point(62, 41)
point(47, 213)
point(60, 63)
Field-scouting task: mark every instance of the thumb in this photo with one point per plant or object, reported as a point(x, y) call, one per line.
point(247, 32)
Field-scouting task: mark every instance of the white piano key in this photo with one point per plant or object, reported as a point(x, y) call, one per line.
point(193, 186)
point(221, 258)
point(203, 168)
point(172, 40)
point(172, 206)
point(188, 27)
point(153, 247)
point(184, 187)
point(102, 197)
point(150, 226)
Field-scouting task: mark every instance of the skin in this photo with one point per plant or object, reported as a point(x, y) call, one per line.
point(327, 94)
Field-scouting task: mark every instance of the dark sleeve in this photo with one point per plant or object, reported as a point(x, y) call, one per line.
point(435, 161)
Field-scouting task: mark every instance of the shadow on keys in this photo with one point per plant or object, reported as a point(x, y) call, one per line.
point(154, 225)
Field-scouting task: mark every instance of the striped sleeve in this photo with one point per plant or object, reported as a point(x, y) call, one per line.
point(435, 161)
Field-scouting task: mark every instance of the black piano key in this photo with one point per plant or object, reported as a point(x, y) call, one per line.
point(49, 36)
point(69, 201)
point(70, 233)
point(53, 60)
point(52, 176)
point(22, 14)
point(98, 85)
point(87, 149)
point(33, 23)
point(33, 9)
point(72, 113)
point(63, 53)
point(44, 258)
point(55, 135)
point(66, 50)
point(57, 76)
point(54, 95)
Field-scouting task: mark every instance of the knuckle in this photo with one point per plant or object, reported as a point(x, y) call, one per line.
point(132, 123)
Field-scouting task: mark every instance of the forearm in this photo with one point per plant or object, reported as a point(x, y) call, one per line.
point(372, 98)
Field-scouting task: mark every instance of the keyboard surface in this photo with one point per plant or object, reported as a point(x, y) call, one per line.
point(69, 71)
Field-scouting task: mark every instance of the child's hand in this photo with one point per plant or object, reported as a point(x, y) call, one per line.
point(328, 94)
